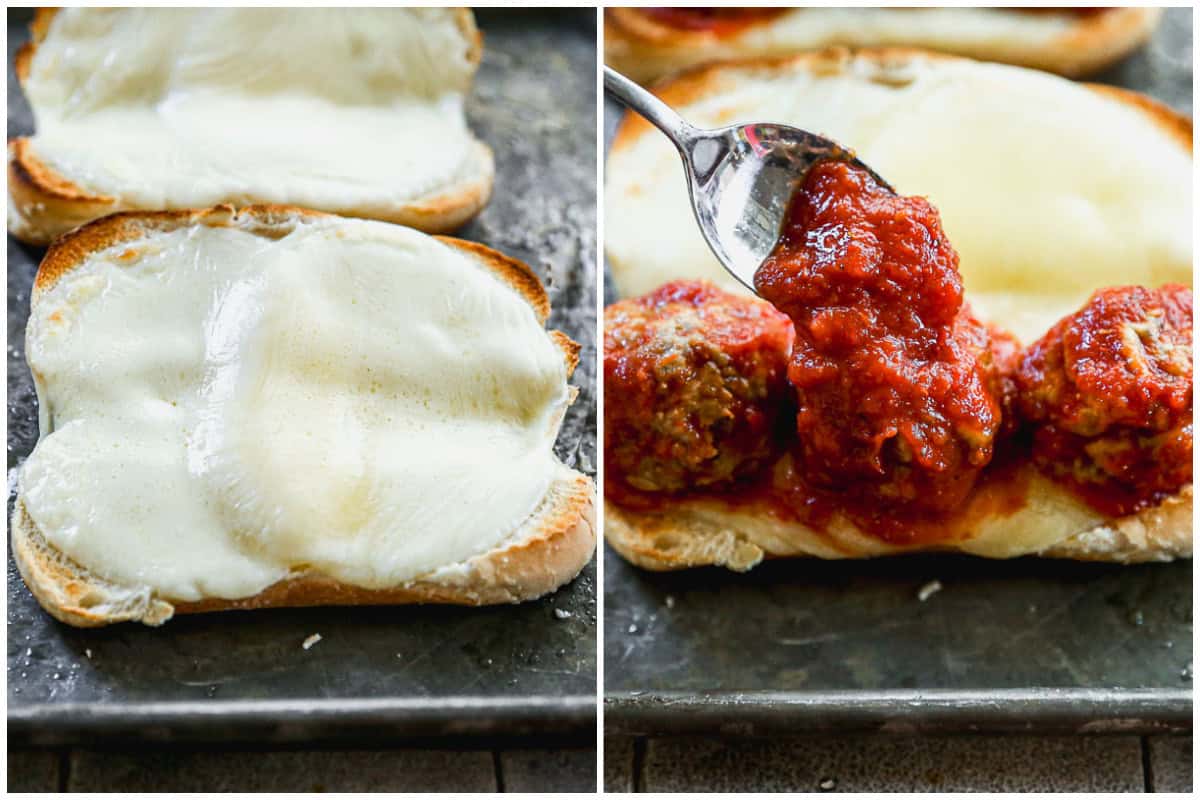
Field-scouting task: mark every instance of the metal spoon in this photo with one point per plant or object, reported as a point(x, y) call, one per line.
point(740, 178)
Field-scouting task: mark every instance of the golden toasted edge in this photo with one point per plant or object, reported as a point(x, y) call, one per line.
point(1160, 533)
point(674, 538)
point(704, 81)
point(38, 27)
point(1096, 41)
point(71, 250)
point(671, 540)
point(630, 27)
point(647, 50)
point(448, 211)
point(1176, 125)
point(549, 551)
point(43, 204)
point(465, 19)
point(559, 543)
point(70, 593)
point(512, 272)
point(518, 276)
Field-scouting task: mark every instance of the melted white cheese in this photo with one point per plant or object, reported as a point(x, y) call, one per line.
point(994, 34)
point(944, 29)
point(327, 108)
point(1046, 189)
point(219, 409)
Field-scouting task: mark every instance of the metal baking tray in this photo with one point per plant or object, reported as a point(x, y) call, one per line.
point(806, 645)
point(1014, 645)
point(382, 673)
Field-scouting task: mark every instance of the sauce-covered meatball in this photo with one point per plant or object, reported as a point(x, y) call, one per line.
point(896, 382)
point(1108, 391)
point(694, 386)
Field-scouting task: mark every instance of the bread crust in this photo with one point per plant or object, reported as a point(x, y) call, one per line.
point(561, 545)
point(44, 204)
point(689, 534)
point(645, 49)
point(550, 550)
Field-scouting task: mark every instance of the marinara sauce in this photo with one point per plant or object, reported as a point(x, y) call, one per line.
point(897, 388)
point(1108, 393)
point(719, 21)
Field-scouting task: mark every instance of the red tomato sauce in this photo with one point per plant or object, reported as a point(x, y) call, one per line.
point(1001, 489)
point(1108, 395)
point(867, 389)
point(719, 21)
point(897, 400)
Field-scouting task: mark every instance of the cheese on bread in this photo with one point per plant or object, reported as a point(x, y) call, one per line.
point(1046, 188)
point(354, 111)
point(1061, 40)
point(229, 403)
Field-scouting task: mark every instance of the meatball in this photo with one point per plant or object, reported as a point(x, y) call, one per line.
point(999, 355)
point(1108, 393)
point(695, 383)
point(896, 384)
point(1124, 359)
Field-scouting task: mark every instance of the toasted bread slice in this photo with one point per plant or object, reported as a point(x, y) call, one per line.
point(1050, 523)
point(1059, 40)
point(244, 106)
point(1038, 228)
point(542, 551)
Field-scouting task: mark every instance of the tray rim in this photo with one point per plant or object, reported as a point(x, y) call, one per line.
point(308, 721)
point(901, 711)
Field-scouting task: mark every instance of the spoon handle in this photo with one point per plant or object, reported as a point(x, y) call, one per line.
point(650, 107)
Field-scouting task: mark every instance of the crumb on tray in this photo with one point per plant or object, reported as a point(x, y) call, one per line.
point(929, 590)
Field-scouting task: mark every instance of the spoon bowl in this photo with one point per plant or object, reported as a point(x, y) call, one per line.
point(740, 178)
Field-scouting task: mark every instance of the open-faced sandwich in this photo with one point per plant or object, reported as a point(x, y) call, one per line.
point(648, 43)
point(876, 399)
point(277, 407)
point(353, 111)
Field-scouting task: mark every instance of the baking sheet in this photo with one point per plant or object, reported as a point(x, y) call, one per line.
point(1003, 646)
point(401, 672)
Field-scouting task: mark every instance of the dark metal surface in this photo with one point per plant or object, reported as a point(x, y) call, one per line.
point(378, 673)
point(789, 629)
point(810, 645)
